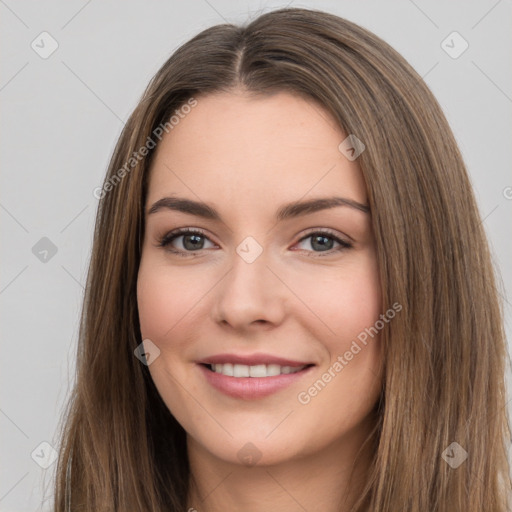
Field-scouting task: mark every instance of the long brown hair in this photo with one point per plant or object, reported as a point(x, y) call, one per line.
point(444, 355)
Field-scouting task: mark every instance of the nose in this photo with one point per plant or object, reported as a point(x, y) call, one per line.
point(250, 295)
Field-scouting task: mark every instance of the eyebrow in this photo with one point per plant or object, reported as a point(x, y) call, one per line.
point(287, 211)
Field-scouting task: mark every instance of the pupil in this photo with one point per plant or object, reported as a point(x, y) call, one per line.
point(195, 239)
point(324, 240)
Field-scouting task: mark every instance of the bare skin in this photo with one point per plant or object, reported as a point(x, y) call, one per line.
point(300, 299)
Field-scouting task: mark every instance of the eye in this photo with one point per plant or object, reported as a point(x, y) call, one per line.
point(324, 241)
point(193, 240)
point(190, 240)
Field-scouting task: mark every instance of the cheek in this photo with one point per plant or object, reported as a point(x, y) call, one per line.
point(349, 306)
point(346, 302)
point(355, 351)
point(166, 299)
point(155, 304)
point(166, 315)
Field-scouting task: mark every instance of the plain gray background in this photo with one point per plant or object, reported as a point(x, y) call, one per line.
point(62, 115)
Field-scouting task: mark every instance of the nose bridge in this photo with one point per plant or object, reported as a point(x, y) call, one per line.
point(250, 291)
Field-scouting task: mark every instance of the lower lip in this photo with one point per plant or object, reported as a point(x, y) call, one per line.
point(251, 388)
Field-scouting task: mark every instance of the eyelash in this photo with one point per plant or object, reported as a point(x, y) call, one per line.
point(166, 240)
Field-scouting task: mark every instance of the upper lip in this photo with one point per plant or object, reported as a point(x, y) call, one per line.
point(252, 360)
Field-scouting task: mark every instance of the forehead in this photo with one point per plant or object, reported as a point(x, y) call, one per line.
point(234, 148)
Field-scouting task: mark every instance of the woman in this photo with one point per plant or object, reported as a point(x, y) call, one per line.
point(290, 302)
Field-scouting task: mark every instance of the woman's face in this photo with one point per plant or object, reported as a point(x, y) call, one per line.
point(264, 286)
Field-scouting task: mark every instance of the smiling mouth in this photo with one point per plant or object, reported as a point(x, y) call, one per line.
point(257, 371)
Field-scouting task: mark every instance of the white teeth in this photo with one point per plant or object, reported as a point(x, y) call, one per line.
point(258, 370)
point(273, 369)
point(226, 369)
point(239, 370)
